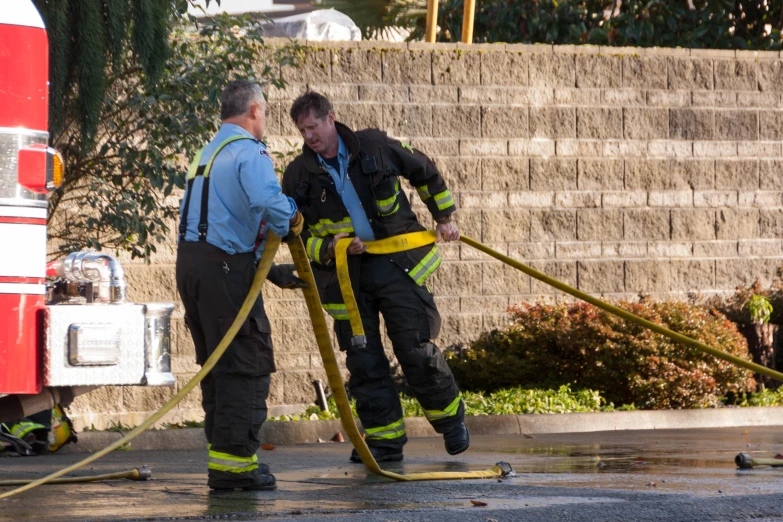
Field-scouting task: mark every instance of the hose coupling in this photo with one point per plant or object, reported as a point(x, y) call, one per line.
point(145, 473)
point(506, 469)
point(359, 341)
point(744, 461)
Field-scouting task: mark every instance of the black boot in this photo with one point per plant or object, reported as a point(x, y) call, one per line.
point(457, 440)
point(380, 454)
point(254, 480)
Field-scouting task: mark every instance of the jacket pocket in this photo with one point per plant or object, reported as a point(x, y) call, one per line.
point(386, 194)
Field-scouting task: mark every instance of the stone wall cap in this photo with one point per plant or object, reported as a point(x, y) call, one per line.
point(713, 53)
point(761, 55)
point(530, 48)
point(436, 46)
point(382, 44)
point(482, 46)
point(278, 41)
point(576, 49)
point(340, 44)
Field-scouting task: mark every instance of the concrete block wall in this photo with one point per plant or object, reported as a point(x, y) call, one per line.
point(617, 170)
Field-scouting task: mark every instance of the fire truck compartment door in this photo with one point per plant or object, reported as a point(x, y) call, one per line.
point(94, 344)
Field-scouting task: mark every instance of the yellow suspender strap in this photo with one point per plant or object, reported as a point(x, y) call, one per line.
point(390, 245)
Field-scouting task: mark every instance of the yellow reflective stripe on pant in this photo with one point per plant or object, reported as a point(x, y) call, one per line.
point(450, 410)
point(390, 431)
point(314, 245)
point(444, 200)
point(231, 463)
point(390, 245)
point(338, 311)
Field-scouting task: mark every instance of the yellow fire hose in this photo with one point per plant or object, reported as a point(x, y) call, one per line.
point(302, 264)
point(417, 239)
point(139, 474)
point(745, 461)
point(272, 244)
point(396, 244)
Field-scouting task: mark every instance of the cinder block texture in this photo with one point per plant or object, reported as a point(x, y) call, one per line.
point(620, 171)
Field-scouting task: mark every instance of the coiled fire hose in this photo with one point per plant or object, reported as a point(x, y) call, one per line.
point(397, 243)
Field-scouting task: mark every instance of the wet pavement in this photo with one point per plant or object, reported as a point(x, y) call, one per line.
point(677, 475)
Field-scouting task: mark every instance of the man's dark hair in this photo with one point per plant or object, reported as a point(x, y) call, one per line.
point(237, 97)
point(311, 101)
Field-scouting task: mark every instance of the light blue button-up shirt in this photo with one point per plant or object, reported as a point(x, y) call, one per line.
point(243, 192)
point(344, 186)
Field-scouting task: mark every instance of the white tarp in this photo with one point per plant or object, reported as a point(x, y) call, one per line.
point(321, 25)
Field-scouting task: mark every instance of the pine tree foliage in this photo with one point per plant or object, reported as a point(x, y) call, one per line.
point(87, 42)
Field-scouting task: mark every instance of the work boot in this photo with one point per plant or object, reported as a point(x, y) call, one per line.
point(380, 454)
point(457, 440)
point(255, 480)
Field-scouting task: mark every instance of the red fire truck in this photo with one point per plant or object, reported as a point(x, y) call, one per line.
point(66, 326)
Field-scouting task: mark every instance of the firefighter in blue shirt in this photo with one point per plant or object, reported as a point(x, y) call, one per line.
point(231, 201)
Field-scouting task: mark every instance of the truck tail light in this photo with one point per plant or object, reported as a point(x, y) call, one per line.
point(40, 168)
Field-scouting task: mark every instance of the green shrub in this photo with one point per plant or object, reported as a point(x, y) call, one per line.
point(548, 346)
point(515, 401)
point(738, 307)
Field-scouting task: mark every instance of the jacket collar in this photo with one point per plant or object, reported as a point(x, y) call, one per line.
point(349, 139)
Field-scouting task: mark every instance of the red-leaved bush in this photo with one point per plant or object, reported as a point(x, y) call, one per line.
point(547, 346)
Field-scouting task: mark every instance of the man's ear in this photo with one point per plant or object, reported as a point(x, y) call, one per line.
point(331, 117)
point(255, 110)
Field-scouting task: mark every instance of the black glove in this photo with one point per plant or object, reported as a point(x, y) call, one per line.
point(283, 276)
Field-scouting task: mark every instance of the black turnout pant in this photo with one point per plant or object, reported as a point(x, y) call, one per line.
point(213, 285)
point(412, 321)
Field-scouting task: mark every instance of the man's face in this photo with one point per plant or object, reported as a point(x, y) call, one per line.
point(318, 133)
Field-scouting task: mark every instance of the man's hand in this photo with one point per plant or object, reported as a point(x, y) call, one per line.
point(447, 231)
point(294, 227)
point(283, 276)
point(356, 246)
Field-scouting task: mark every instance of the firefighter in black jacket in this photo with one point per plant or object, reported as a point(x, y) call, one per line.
point(346, 184)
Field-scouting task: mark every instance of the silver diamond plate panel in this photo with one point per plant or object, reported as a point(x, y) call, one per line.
point(129, 318)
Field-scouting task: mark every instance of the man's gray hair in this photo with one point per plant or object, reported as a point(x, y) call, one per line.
point(237, 98)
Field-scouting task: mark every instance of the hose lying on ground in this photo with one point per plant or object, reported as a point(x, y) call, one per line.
point(745, 461)
point(404, 242)
point(138, 474)
point(272, 244)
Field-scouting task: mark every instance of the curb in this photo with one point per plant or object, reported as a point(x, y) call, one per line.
point(309, 432)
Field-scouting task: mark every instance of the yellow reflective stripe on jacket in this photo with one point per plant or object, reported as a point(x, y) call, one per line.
point(385, 206)
point(444, 200)
point(392, 211)
point(20, 429)
point(426, 266)
point(313, 247)
point(450, 410)
point(337, 310)
point(231, 463)
point(327, 227)
point(423, 192)
point(390, 431)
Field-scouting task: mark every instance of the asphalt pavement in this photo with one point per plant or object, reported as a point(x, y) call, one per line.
point(656, 475)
